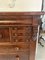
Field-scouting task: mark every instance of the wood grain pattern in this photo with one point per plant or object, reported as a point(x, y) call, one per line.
point(18, 32)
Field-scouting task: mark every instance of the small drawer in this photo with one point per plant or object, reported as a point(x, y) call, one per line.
point(15, 47)
point(4, 34)
point(18, 28)
point(21, 39)
point(21, 33)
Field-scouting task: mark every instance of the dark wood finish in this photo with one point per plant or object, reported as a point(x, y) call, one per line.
point(18, 34)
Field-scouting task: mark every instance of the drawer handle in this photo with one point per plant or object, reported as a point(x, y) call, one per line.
point(17, 57)
point(14, 34)
point(15, 28)
point(17, 48)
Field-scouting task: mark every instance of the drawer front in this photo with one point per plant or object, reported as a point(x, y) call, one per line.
point(16, 47)
point(21, 33)
point(19, 56)
point(19, 51)
point(22, 56)
point(4, 34)
point(15, 33)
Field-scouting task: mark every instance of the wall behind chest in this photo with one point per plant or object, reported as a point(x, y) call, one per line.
point(20, 5)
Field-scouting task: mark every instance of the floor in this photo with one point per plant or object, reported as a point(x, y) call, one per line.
point(41, 51)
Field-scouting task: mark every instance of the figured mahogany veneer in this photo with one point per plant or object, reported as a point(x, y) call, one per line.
point(18, 34)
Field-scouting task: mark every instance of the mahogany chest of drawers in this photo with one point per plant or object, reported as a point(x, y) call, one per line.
point(18, 35)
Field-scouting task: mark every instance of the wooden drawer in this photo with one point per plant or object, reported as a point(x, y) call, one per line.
point(4, 34)
point(14, 52)
point(19, 56)
point(21, 33)
point(14, 48)
point(15, 33)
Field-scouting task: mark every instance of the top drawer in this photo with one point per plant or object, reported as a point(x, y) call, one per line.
point(17, 21)
point(15, 33)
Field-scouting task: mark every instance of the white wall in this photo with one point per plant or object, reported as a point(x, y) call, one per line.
point(21, 5)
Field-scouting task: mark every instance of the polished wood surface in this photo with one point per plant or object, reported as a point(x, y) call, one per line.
point(18, 35)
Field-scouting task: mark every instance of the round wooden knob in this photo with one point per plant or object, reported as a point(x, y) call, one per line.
point(16, 40)
point(15, 28)
point(14, 34)
point(17, 57)
point(17, 48)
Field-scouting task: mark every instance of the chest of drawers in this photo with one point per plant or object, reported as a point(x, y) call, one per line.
point(18, 35)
